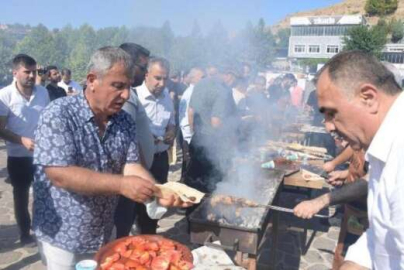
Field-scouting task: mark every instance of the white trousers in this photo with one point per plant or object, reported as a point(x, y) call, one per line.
point(59, 259)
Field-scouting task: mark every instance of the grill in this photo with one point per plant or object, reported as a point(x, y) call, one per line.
point(239, 227)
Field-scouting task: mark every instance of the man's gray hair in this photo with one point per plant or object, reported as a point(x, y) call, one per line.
point(105, 58)
point(162, 62)
point(349, 69)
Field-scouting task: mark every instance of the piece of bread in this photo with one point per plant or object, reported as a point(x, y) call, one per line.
point(309, 176)
point(186, 193)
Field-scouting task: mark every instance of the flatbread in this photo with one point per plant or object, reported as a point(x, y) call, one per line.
point(186, 193)
point(309, 176)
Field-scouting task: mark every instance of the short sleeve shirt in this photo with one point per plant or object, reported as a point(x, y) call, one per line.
point(55, 92)
point(211, 98)
point(22, 115)
point(68, 136)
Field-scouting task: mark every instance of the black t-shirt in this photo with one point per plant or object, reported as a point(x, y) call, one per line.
point(55, 92)
point(212, 98)
point(312, 101)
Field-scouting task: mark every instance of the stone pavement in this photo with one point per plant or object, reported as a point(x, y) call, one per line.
point(313, 251)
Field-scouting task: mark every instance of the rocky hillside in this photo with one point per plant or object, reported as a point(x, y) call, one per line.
point(345, 7)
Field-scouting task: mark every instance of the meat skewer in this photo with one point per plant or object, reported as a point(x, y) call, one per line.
point(229, 200)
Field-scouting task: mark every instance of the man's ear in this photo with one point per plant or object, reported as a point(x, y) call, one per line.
point(91, 81)
point(370, 97)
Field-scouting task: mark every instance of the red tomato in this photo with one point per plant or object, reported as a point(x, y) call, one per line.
point(127, 254)
point(117, 266)
point(145, 258)
point(174, 255)
point(184, 265)
point(160, 263)
point(152, 246)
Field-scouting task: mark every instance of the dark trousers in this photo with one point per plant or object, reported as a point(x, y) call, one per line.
point(125, 215)
point(159, 170)
point(186, 158)
point(21, 172)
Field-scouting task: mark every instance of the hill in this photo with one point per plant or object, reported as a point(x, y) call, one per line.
point(346, 7)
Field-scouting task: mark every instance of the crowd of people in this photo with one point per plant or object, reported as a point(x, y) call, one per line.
point(94, 151)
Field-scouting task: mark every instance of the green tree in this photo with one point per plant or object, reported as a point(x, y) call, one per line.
point(6, 53)
point(39, 44)
point(381, 7)
point(397, 30)
point(371, 40)
point(282, 41)
point(85, 45)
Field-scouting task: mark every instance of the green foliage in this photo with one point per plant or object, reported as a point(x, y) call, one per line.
point(397, 30)
point(381, 7)
point(371, 40)
point(282, 42)
point(5, 58)
point(72, 47)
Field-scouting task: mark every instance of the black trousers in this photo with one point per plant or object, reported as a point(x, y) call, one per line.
point(186, 158)
point(124, 217)
point(21, 172)
point(159, 170)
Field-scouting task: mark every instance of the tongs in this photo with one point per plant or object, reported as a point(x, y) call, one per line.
point(285, 210)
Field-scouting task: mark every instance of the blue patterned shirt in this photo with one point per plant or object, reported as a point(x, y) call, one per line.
point(68, 136)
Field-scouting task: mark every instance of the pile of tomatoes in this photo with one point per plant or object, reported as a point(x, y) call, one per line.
point(137, 253)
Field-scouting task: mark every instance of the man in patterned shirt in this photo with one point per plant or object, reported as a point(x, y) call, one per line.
point(87, 155)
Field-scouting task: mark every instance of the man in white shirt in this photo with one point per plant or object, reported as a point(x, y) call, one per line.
point(362, 101)
point(71, 87)
point(159, 108)
point(194, 76)
point(20, 106)
point(125, 212)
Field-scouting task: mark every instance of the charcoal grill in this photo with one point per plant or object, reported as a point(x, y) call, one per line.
point(237, 236)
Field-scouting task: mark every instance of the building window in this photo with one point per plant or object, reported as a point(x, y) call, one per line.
point(314, 48)
point(332, 49)
point(300, 48)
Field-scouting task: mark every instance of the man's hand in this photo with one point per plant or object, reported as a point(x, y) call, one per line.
point(28, 143)
point(348, 265)
point(329, 166)
point(137, 189)
point(169, 137)
point(307, 209)
point(173, 200)
point(337, 178)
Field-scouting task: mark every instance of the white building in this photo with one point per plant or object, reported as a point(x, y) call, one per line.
point(320, 36)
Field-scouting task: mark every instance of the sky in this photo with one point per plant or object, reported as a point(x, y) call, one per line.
point(181, 14)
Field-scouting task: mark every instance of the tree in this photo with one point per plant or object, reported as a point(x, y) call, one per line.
point(39, 44)
point(397, 30)
point(371, 40)
point(85, 45)
point(6, 53)
point(381, 7)
point(282, 42)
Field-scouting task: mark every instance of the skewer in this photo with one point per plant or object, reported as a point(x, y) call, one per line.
point(248, 203)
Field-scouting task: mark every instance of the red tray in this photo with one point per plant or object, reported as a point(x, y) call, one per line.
point(108, 249)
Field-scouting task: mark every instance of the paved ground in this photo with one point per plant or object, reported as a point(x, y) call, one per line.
point(296, 250)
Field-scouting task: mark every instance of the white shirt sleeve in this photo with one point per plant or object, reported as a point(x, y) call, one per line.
point(359, 252)
point(4, 103)
point(396, 203)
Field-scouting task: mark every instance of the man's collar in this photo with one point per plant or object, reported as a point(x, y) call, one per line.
point(34, 88)
point(87, 113)
point(382, 142)
point(145, 92)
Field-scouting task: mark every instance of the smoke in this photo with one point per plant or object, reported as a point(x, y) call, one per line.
point(236, 148)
